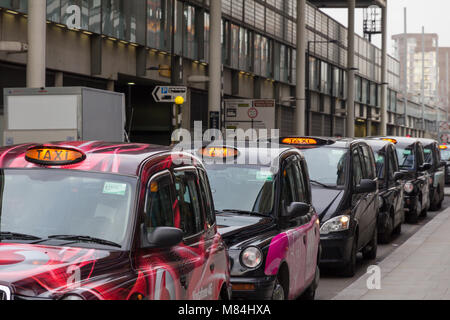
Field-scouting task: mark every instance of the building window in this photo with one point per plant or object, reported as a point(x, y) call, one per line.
point(159, 24)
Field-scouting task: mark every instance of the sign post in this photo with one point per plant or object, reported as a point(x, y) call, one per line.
point(168, 94)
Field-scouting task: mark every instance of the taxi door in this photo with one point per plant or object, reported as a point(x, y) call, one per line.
point(216, 266)
point(310, 226)
point(394, 186)
point(196, 263)
point(161, 268)
point(295, 227)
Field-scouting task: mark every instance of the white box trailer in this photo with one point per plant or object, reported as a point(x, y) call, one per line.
point(62, 114)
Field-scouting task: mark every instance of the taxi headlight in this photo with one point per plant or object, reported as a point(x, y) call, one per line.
point(251, 257)
point(337, 224)
point(73, 297)
point(409, 187)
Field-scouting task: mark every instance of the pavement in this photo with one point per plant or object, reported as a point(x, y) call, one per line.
point(417, 270)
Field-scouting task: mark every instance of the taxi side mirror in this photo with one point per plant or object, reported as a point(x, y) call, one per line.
point(425, 167)
point(297, 209)
point(162, 237)
point(366, 186)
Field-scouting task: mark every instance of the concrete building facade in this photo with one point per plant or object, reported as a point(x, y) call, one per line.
point(112, 44)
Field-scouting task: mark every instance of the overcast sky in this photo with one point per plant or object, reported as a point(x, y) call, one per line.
point(434, 15)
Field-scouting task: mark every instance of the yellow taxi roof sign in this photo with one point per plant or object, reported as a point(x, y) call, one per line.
point(219, 152)
point(54, 156)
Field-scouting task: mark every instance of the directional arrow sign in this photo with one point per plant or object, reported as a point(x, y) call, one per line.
point(169, 94)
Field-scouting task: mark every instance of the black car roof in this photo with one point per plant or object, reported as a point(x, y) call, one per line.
point(334, 142)
point(427, 142)
point(376, 144)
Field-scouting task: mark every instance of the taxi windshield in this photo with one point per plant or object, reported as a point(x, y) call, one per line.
point(445, 155)
point(242, 188)
point(327, 166)
point(428, 155)
point(406, 158)
point(57, 203)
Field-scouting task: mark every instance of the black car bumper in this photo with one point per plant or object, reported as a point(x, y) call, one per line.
point(336, 249)
point(262, 288)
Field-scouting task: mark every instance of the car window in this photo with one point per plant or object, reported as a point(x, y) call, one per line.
point(159, 212)
point(248, 188)
point(368, 163)
point(357, 168)
point(406, 157)
point(420, 155)
point(380, 160)
point(428, 151)
point(301, 182)
point(289, 193)
point(327, 165)
point(206, 193)
point(393, 161)
point(191, 218)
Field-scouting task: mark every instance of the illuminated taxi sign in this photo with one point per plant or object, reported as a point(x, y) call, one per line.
point(443, 147)
point(390, 140)
point(54, 156)
point(219, 152)
point(300, 141)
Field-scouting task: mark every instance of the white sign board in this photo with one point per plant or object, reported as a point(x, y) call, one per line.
point(250, 114)
point(169, 94)
point(58, 112)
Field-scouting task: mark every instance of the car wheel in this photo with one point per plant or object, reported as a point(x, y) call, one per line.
point(278, 291)
point(424, 212)
point(436, 199)
point(413, 217)
point(370, 251)
point(386, 236)
point(350, 269)
point(310, 293)
point(397, 230)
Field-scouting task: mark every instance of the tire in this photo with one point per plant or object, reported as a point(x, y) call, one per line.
point(386, 236)
point(413, 217)
point(436, 203)
point(278, 291)
point(424, 212)
point(370, 251)
point(350, 269)
point(310, 293)
point(398, 229)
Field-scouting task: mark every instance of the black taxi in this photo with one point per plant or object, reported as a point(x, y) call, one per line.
point(437, 173)
point(265, 215)
point(411, 157)
point(392, 214)
point(345, 193)
point(92, 220)
point(445, 156)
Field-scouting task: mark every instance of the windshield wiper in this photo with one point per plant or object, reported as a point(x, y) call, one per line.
point(17, 236)
point(251, 213)
point(322, 184)
point(85, 239)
